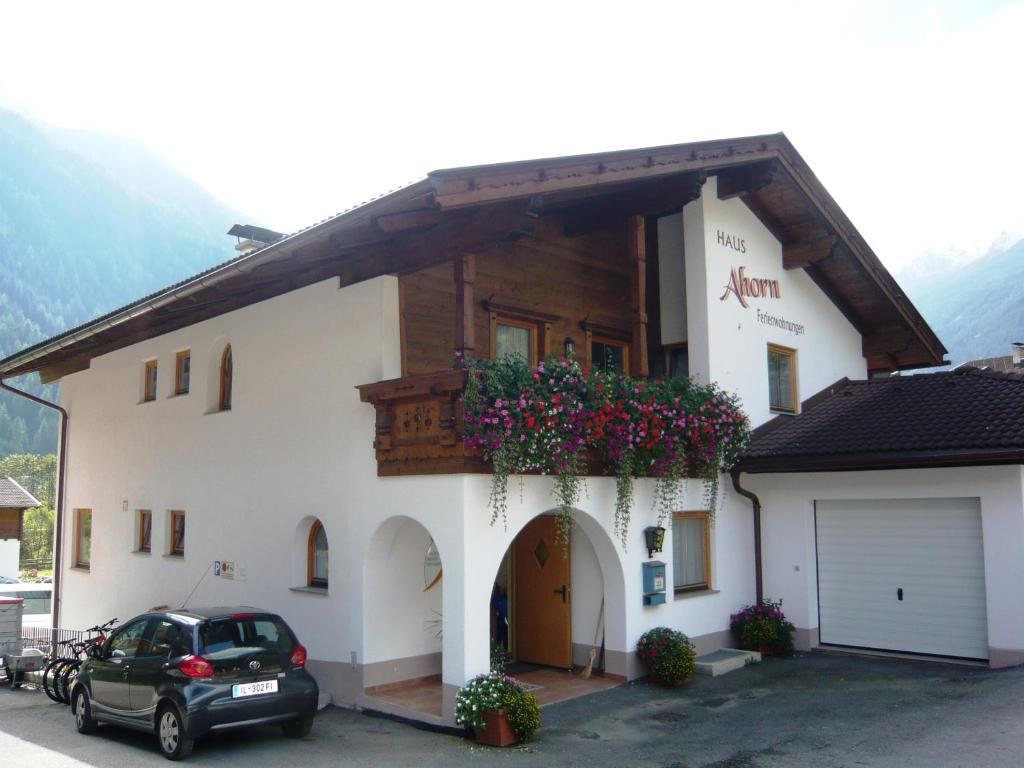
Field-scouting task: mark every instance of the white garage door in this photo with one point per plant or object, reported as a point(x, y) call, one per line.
point(902, 575)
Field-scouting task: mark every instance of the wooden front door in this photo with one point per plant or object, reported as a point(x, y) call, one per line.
point(541, 601)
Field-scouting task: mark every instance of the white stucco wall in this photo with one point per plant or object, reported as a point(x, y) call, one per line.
point(789, 541)
point(10, 551)
point(727, 342)
point(296, 443)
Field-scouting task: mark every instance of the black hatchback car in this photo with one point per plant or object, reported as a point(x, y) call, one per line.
point(181, 674)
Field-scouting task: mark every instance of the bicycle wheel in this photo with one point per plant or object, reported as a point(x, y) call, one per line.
point(67, 678)
point(51, 675)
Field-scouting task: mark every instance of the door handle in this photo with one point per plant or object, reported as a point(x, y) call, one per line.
point(899, 593)
point(563, 591)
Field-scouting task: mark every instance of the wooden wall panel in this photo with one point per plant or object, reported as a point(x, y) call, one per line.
point(10, 523)
point(548, 273)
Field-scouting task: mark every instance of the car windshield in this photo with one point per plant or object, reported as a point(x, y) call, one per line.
point(245, 633)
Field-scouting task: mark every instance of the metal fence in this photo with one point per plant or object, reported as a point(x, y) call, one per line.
point(48, 638)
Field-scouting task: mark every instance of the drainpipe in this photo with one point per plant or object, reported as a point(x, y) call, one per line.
point(756, 503)
point(61, 471)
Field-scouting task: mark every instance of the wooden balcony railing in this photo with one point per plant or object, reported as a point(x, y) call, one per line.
point(419, 425)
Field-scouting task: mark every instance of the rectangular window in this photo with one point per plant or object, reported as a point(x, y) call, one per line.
point(182, 370)
point(782, 392)
point(610, 355)
point(145, 537)
point(691, 551)
point(149, 390)
point(177, 531)
point(83, 538)
point(512, 337)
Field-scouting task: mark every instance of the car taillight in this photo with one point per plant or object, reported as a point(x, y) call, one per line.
point(299, 656)
point(196, 666)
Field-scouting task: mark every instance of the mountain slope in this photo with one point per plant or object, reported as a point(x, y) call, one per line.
point(87, 223)
point(976, 309)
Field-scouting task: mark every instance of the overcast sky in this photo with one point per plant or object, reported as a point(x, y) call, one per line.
point(909, 112)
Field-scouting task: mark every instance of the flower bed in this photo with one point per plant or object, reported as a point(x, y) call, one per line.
point(547, 418)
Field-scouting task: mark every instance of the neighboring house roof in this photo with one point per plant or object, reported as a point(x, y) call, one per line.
point(1002, 364)
point(474, 207)
point(954, 418)
point(13, 496)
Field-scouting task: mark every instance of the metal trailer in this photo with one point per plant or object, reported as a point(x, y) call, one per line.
point(15, 661)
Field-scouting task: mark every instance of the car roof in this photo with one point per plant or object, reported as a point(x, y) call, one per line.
point(217, 612)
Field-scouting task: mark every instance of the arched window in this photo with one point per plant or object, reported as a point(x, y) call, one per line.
point(317, 558)
point(224, 403)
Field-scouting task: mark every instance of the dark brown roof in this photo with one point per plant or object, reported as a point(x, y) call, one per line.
point(954, 418)
point(473, 207)
point(13, 496)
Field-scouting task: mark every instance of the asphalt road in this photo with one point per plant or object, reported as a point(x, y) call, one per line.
point(815, 710)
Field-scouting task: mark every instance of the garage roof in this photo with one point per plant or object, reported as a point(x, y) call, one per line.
point(956, 418)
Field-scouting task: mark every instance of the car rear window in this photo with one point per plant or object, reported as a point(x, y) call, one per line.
point(268, 633)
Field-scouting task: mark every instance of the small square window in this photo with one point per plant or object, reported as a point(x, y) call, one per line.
point(512, 337)
point(149, 381)
point(177, 533)
point(144, 541)
point(83, 538)
point(610, 355)
point(182, 372)
point(691, 556)
point(782, 385)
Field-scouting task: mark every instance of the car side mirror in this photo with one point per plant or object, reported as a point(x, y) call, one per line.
point(118, 654)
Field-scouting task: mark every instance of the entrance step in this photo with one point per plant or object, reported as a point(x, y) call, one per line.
point(725, 660)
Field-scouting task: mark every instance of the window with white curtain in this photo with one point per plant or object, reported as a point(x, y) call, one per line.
point(511, 338)
point(691, 566)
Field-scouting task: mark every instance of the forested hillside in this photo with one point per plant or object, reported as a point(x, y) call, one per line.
point(87, 223)
point(976, 308)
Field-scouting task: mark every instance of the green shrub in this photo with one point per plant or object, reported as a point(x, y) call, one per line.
point(668, 653)
point(764, 626)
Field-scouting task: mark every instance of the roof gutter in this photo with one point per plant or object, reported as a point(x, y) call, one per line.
point(756, 503)
point(62, 457)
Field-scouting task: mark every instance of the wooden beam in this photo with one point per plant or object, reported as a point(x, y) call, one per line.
point(893, 342)
point(803, 254)
point(637, 252)
point(746, 179)
point(465, 275)
point(655, 199)
point(464, 231)
point(408, 220)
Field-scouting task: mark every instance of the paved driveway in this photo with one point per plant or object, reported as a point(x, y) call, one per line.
point(814, 710)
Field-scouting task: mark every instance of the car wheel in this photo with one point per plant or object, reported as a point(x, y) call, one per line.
point(175, 743)
point(297, 729)
point(84, 721)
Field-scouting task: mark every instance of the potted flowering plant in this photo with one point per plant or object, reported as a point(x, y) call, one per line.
point(497, 708)
point(763, 627)
point(669, 655)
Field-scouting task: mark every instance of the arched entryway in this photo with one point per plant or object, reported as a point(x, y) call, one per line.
point(550, 608)
point(402, 617)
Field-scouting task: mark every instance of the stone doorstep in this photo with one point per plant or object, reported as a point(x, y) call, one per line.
point(725, 660)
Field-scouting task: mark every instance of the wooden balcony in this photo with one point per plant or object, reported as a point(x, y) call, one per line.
point(419, 425)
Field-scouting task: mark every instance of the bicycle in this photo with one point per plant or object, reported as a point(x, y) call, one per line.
point(61, 672)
